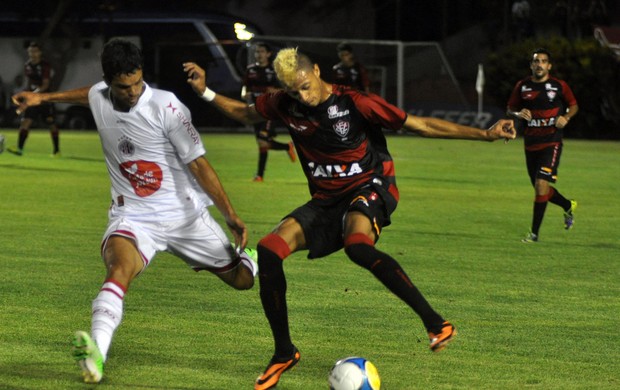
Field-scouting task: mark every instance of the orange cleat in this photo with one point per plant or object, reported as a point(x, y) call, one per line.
point(276, 367)
point(440, 340)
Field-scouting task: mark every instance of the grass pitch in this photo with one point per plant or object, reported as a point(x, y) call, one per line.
point(543, 316)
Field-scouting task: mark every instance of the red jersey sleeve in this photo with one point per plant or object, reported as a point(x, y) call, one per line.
point(514, 102)
point(266, 104)
point(569, 97)
point(376, 110)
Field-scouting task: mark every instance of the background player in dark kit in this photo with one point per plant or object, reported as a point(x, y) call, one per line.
point(349, 71)
point(260, 78)
point(38, 74)
point(546, 104)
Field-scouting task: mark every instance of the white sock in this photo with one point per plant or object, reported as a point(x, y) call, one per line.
point(249, 263)
point(107, 314)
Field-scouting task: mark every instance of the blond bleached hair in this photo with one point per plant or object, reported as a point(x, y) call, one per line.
point(288, 62)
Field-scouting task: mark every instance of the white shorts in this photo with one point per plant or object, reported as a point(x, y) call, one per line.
point(199, 241)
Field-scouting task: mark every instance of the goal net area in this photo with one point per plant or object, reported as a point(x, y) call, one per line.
point(409, 75)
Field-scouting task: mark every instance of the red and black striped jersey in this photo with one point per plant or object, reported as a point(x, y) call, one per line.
point(36, 73)
point(546, 101)
point(340, 142)
point(258, 79)
point(355, 76)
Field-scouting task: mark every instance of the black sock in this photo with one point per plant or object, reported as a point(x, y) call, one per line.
point(390, 273)
point(273, 298)
point(262, 163)
point(23, 134)
point(55, 140)
point(557, 198)
point(539, 213)
point(278, 146)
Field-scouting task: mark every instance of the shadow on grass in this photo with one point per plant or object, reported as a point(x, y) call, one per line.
point(29, 376)
point(80, 158)
point(37, 169)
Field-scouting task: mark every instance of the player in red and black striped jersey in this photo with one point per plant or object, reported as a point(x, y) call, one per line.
point(546, 104)
point(338, 135)
point(349, 71)
point(38, 73)
point(260, 78)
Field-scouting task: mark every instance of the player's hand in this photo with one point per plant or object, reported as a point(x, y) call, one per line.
point(525, 114)
point(24, 100)
point(239, 231)
point(503, 128)
point(561, 122)
point(196, 77)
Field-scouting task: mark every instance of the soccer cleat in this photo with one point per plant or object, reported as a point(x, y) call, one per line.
point(88, 357)
point(16, 151)
point(269, 379)
point(250, 258)
point(1, 143)
point(258, 179)
point(530, 237)
point(291, 152)
point(440, 340)
point(56, 155)
point(252, 253)
point(569, 218)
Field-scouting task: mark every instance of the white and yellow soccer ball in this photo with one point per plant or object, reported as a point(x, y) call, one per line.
point(354, 373)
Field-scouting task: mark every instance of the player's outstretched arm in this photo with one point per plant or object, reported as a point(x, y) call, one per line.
point(27, 99)
point(210, 183)
point(439, 128)
point(234, 109)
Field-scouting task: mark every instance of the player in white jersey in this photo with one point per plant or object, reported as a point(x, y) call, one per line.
point(161, 187)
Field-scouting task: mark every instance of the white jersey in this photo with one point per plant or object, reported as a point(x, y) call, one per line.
point(147, 151)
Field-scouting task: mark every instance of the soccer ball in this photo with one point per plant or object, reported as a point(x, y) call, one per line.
point(354, 373)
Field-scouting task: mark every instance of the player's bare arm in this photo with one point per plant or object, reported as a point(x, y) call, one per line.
point(563, 120)
point(439, 128)
point(210, 183)
point(234, 109)
point(27, 99)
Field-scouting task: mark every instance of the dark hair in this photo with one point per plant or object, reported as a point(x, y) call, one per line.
point(34, 44)
point(120, 57)
point(541, 50)
point(344, 46)
point(263, 44)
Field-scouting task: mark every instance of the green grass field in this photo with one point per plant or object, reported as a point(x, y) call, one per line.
point(541, 316)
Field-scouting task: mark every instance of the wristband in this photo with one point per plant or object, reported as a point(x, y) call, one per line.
point(208, 95)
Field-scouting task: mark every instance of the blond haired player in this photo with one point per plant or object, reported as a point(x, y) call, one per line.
point(337, 132)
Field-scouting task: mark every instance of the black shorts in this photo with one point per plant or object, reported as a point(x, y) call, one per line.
point(44, 113)
point(323, 221)
point(543, 164)
point(265, 131)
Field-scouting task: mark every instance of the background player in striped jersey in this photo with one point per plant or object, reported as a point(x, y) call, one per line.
point(349, 71)
point(546, 104)
point(338, 135)
point(39, 75)
point(260, 78)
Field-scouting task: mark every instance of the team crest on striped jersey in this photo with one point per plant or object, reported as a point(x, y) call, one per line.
point(551, 92)
point(341, 128)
